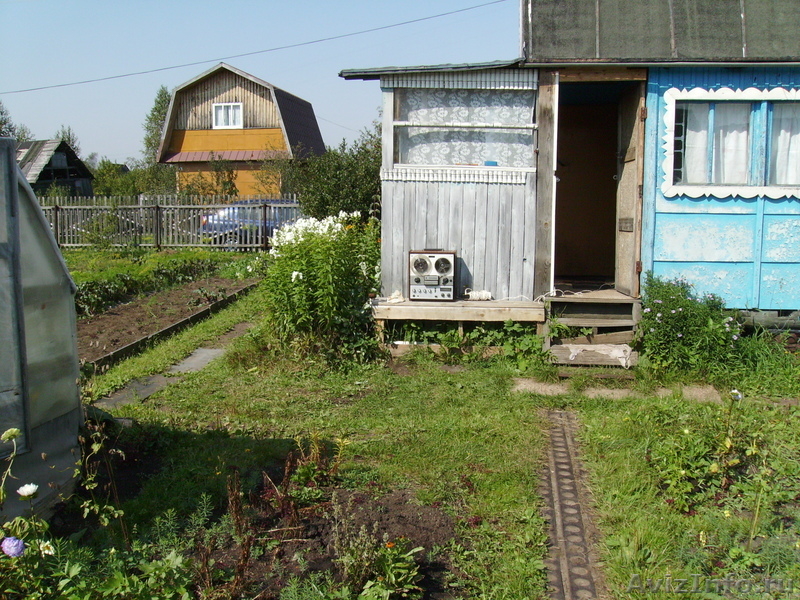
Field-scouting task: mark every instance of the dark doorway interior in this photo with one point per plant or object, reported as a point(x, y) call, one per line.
point(586, 186)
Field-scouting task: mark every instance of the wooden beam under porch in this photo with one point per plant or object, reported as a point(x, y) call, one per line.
point(461, 311)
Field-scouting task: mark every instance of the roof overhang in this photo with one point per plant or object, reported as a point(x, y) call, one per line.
point(377, 72)
point(231, 155)
point(556, 63)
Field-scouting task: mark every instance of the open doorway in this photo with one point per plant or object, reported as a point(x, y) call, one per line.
point(591, 159)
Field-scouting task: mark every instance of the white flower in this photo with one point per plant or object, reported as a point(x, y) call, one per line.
point(46, 548)
point(28, 491)
point(296, 275)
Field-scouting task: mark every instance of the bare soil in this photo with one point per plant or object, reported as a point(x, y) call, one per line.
point(121, 325)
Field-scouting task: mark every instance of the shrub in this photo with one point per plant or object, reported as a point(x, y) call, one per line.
point(319, 284)
point(681, 331)
point(693, 336)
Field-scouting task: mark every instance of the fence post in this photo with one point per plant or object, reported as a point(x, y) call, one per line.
point(56, 225)
point(157, 222)
point(264, 235)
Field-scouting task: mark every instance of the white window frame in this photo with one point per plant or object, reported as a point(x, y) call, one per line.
point(674, 95)
point(239, 125)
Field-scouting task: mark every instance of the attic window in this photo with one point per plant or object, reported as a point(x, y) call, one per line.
point(228, 115)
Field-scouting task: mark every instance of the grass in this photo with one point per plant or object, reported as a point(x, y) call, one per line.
point(683, 489)
point(644, 461)
point(460, 440)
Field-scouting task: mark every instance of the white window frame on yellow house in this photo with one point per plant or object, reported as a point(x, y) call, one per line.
point(223, 111)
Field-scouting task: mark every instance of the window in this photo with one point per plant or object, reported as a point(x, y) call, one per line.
point(712, 142)
point(228, 115)
point(784, 159)
point(464, 127)
point(732, 143)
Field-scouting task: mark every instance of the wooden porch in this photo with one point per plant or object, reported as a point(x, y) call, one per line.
point(461, 311)
point(606, 320)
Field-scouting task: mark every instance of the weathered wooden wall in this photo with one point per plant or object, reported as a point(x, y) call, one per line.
point(194, 109)
point(491, 226)
point(746, 249)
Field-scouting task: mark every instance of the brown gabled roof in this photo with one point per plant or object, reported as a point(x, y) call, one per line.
point(298, 121)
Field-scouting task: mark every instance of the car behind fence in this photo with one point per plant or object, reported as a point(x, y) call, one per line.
point(243, 225)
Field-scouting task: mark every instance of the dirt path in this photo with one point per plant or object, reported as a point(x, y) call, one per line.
point(126, 323)
point(572, 568)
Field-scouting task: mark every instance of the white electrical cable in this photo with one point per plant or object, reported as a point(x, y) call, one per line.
point(478, 295)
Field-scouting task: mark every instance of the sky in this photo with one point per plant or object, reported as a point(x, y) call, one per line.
point(53, 42)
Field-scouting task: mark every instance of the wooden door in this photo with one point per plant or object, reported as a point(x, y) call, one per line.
point(629, 189)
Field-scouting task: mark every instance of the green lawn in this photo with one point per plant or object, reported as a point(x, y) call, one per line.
point(683, 489)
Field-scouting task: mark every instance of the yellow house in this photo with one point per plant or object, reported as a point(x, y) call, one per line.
point(228, 114)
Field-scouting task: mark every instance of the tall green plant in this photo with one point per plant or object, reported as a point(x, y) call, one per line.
point(692, 335)
point(683, 331)
point(320, 282)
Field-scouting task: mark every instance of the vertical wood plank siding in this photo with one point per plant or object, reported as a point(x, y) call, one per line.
point(195, 105)
point(744, 249)
point(491, 226)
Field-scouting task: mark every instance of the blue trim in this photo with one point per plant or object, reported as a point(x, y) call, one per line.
point(691, 235)
point(654, 105)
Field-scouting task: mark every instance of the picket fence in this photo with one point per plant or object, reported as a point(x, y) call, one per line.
point(241, 225)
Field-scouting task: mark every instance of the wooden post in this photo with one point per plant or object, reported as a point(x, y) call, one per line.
point(264, 236)
point(56, 225)
point(157, 224)
point(546, 120)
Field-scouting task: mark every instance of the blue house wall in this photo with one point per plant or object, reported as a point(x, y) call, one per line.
point(745, 249)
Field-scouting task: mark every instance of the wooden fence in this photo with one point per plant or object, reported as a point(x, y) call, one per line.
point(157, 199)
point(243, 225)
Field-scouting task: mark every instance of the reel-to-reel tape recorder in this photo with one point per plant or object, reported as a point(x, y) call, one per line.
point(432, 276)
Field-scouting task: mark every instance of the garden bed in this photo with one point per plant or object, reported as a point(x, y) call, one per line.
point(124, 324)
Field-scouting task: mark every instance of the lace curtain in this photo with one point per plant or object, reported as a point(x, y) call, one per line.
point(436, 127)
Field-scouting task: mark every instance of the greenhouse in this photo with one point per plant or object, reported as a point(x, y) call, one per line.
point(39, 369)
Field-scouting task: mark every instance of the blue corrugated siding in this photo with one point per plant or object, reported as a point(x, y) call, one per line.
point(747, 250)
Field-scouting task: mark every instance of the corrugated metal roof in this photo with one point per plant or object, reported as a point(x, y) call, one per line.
point(377, 72)
point(232, 155)
point(648, 31)
point(33, 156)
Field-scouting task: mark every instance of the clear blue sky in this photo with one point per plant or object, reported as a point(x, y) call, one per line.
point(51, 42)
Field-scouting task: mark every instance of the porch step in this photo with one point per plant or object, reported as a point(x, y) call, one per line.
point(613, 355)
point(612, 318)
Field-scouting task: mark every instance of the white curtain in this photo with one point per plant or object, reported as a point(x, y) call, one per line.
point(785, 158)
point(695, 160)
point(731, 142)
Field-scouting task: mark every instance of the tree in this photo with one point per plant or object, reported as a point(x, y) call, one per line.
point(112, 179)
point(67, 134)
point(154, 125)
point(8, 129)
point(220, 181)
point(24, 134)
point(345, 178)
